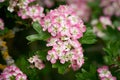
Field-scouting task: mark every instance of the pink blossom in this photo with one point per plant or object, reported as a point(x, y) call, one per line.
point(36, 62)
point(34, 11)
point(21, 77)
point(39, 64)
point(76, 33)
point(52, 56)
point(104, 73)
point(65, 28)
point(23, 13)
point(12, 71)
point(52, 41)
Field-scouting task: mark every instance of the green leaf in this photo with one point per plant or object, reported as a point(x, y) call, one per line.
point(62, 68)
point(33, 37)
point(42, 35)
point(88, 37)
point(87, 74)
point(37, 27)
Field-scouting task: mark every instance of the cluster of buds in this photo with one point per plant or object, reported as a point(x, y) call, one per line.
point(1, 24)
point(12, 73)
point(65, 28)
point(105, 74)
point(81, 8)
point(111, 7)
point(35, 61)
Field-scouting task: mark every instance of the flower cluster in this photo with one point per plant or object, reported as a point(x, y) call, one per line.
point(35, 12)
point(36, 62)
point(105, 74)
point(20, 3)
point(111, 7)
point(12, 72)
point(1, 24)
point(65, 28)
point(81, 8)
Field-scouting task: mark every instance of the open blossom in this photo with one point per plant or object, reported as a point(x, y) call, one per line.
point(34, 12)
point(36, 62)
point(12, 71)
point(62, 22)
point(1, 24)
point(104, 73)
point(65, 28)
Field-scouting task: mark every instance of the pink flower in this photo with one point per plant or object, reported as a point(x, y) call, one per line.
point(23, 13)
point(65, 28)
point(105, 74)
point(21, 77)
point(52, 41)
point(76, 33)
point(34, 11)
point(39, 64)
point(12, 71)
point(52, 56)
point(1, 24)
point(36, 62)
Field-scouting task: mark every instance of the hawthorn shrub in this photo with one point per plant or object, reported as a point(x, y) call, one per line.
point(60, 39)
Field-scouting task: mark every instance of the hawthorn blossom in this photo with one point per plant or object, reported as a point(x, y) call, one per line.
point(52, 56)
point(1, 24)
point(65, 28)
point(23, 13)
point(12, 71)
point(104, 73)
point(36, 62)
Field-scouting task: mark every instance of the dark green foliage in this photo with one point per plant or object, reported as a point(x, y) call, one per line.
point(88, 38)
point(90, 74)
